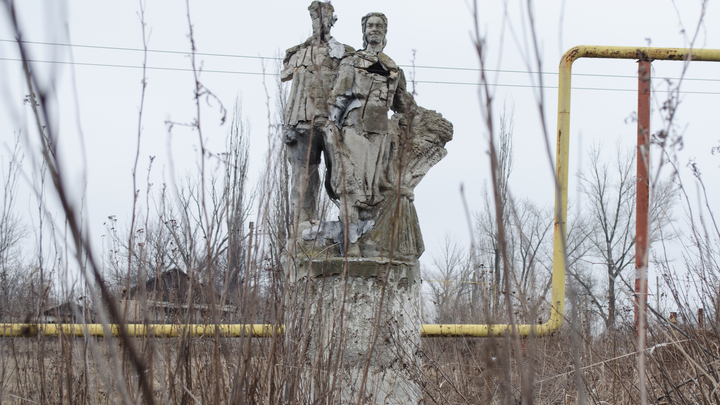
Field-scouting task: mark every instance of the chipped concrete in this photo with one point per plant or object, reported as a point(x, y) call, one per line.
point(357, 267)
point(342, 322)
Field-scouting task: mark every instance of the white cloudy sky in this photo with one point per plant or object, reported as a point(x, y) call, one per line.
point(97, 98)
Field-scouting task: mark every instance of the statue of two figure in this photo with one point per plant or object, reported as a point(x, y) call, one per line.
point(338, 108)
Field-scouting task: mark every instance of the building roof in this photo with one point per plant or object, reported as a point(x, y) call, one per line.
point(173, 286)
point(70, 312)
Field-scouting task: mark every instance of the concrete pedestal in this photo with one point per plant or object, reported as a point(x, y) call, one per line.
point(333, 313)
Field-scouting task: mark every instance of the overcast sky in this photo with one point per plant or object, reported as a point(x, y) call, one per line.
point(98, 95)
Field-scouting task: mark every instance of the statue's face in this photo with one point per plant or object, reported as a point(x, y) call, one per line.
point(327, 22)
point(375, 30)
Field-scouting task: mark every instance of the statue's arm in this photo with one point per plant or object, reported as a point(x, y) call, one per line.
point(342, 91)
point(403, 102)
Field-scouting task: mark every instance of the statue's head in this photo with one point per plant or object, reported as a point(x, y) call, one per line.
point(374, 26)
point(322, 17)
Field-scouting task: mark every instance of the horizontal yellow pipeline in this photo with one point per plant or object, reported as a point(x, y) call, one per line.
point(645, 53)
point(469, 330)
point(238, 330)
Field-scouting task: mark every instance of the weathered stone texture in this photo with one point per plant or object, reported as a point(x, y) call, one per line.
point(342, 320)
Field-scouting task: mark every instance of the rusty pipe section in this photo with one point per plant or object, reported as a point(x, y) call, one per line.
point(138, 330)
point(642, 200)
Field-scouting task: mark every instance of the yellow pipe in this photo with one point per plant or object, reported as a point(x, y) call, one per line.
point(158, 330)
point(557, 308)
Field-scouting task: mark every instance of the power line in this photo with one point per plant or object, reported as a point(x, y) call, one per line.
point(225, 55)
point(116, 48)
point(534, 86)
point(459, 282)
point(57, 62)
point(556, 73)
point(275, 74)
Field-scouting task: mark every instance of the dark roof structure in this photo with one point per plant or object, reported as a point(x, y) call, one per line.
point(173, 286)
point(69, 312)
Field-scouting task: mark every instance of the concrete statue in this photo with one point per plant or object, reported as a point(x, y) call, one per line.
point(338, 108)
point(312, 66)
point(376, 160)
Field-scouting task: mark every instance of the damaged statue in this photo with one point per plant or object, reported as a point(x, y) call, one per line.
point(377, 160)
point(339, 110)
point(312, 66)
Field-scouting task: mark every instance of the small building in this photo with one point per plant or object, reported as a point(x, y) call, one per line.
point(167, 300)
point(67, 313)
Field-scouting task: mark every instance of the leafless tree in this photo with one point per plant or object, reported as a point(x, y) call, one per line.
point(11, 228)
point(528, 234)
point(12, 232)
point(610, 192)
point(531, 237)
point(449, 284)
point(486, 223)
point(237, 197)
point(175, 235)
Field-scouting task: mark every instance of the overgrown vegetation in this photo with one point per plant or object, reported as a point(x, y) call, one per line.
point(229, 237)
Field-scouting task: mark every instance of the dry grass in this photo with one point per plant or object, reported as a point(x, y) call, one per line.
point(681, 368)
point(475, 371)
point(204, 233)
